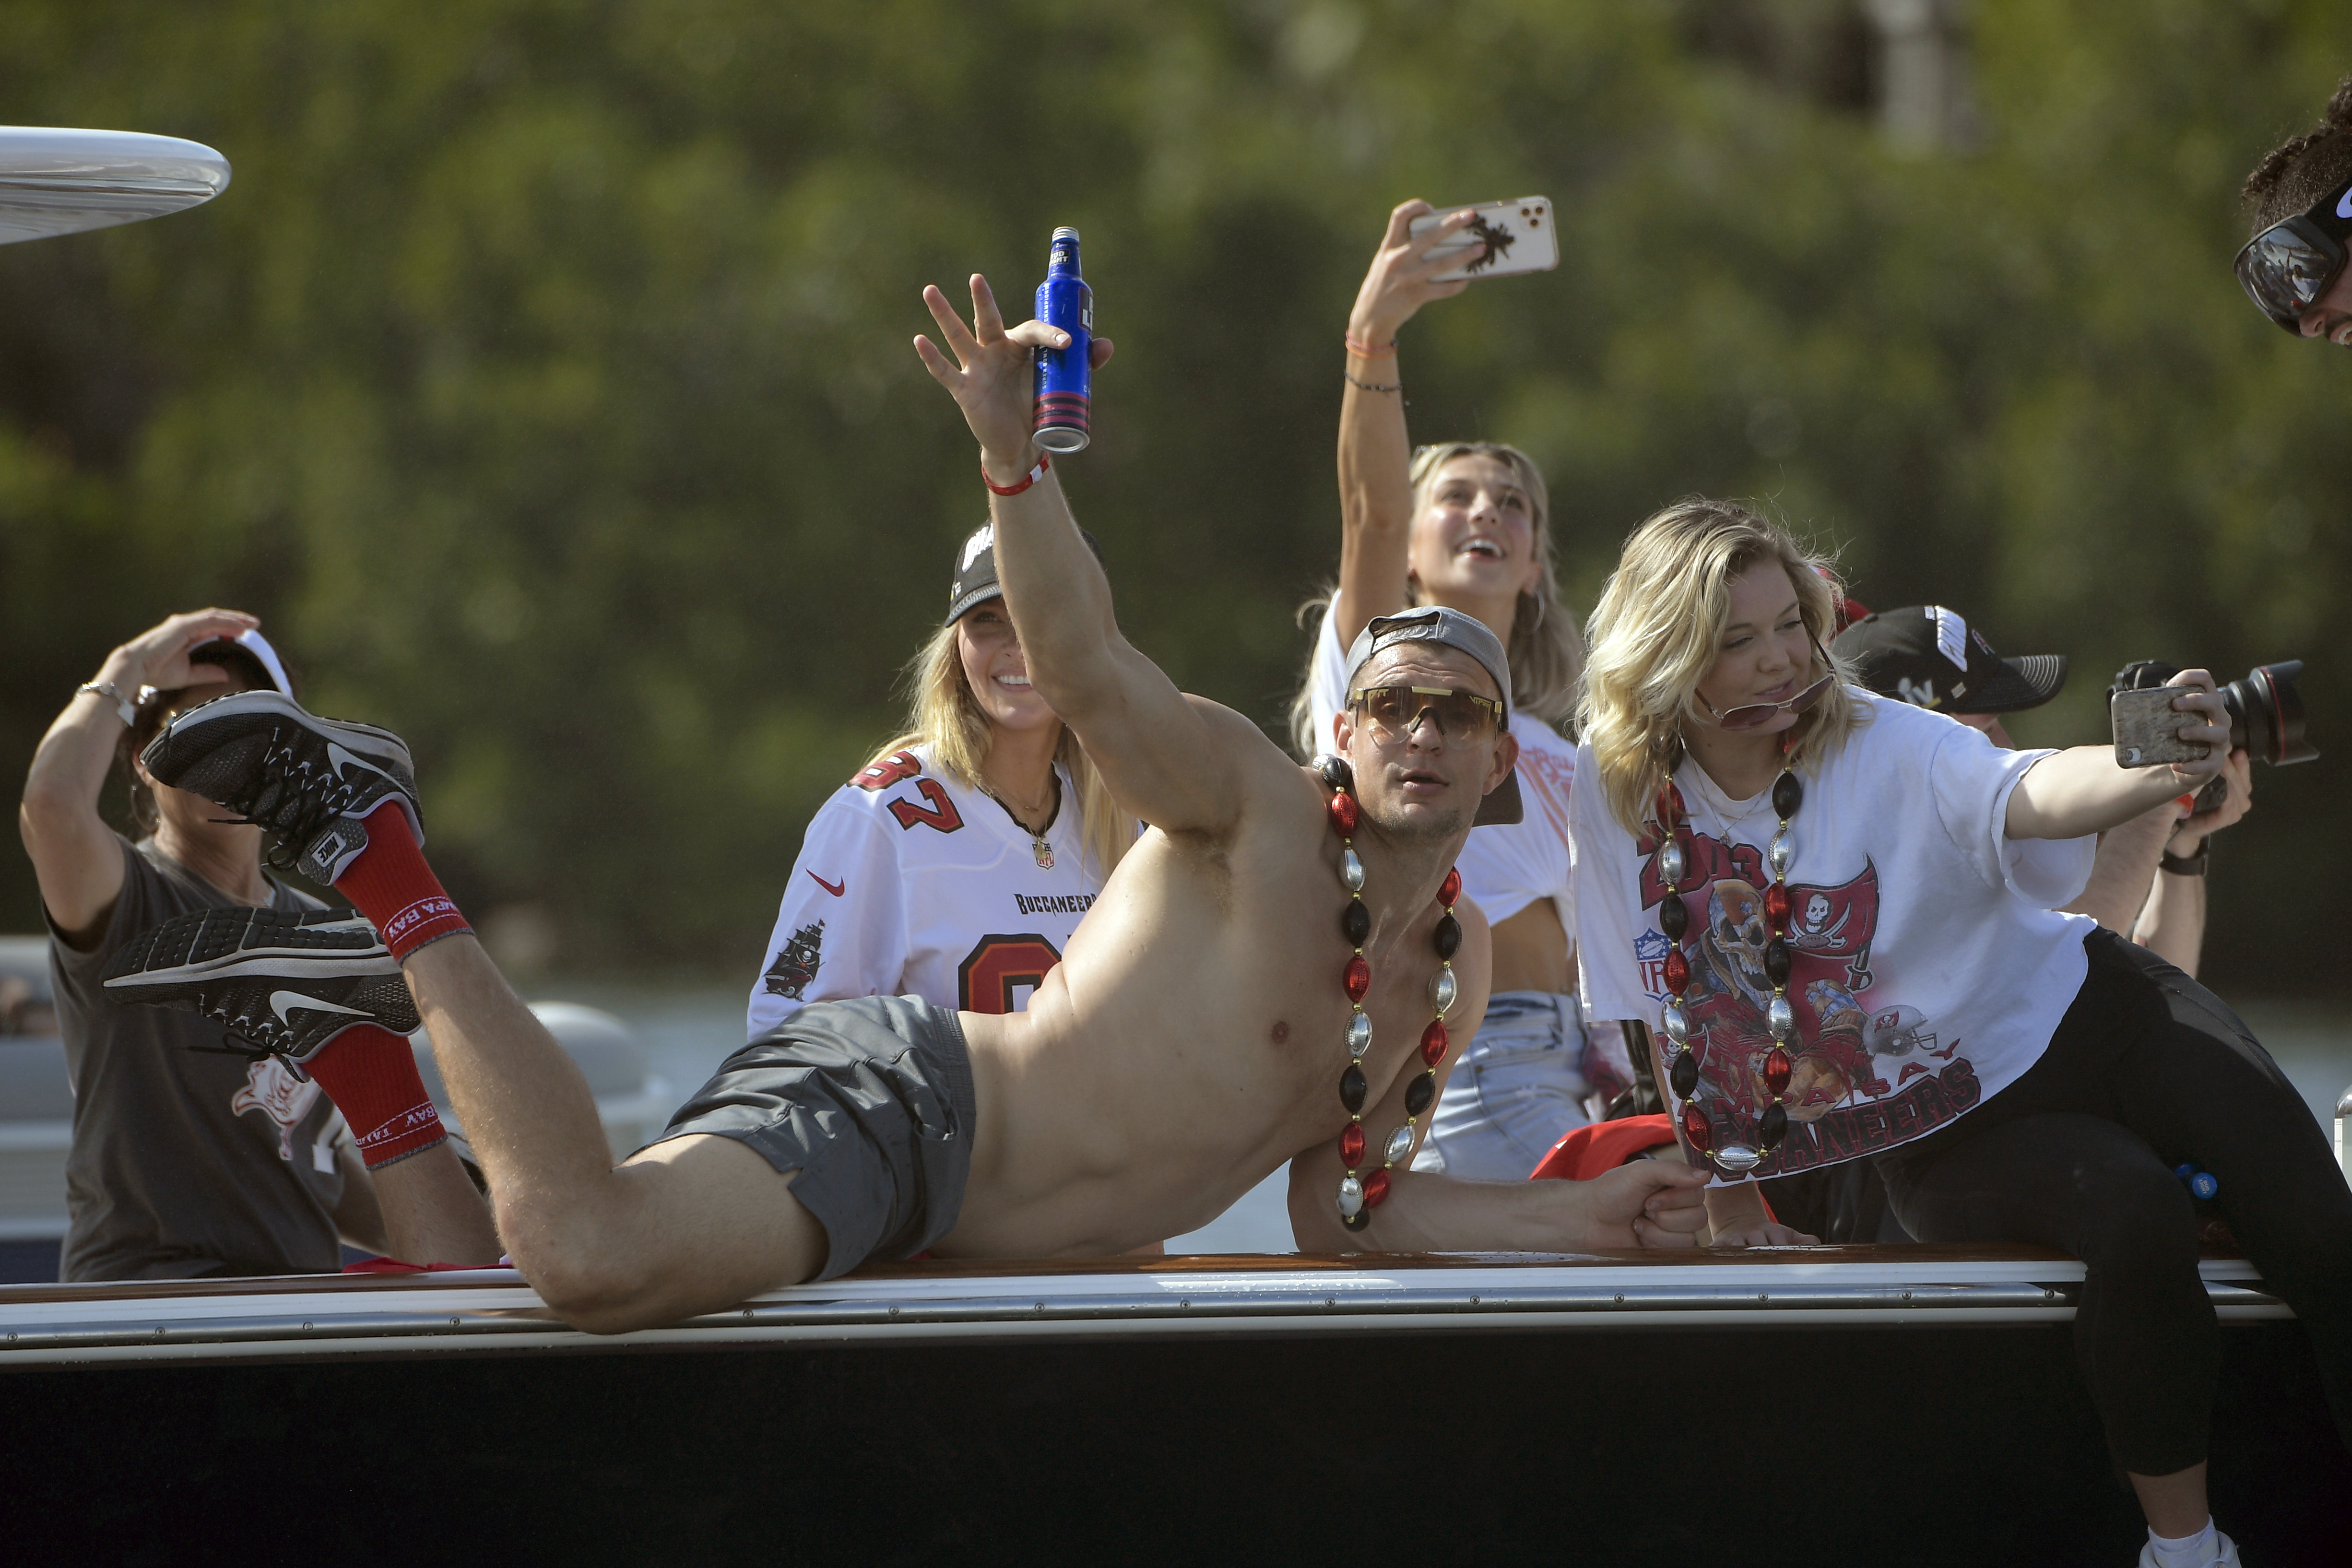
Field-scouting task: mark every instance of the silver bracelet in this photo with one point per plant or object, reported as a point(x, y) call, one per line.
point(124, 709)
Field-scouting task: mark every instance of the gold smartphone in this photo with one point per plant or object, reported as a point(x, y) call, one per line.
point(2147, 727)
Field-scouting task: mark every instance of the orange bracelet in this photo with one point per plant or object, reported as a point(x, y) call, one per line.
point(1365, 351)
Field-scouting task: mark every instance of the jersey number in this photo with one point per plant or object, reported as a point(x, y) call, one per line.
point(943, 814)
point(896, 769)
point(986, 979)
point(889, 771)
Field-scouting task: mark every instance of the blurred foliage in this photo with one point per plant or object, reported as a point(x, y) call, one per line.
point(543, 378)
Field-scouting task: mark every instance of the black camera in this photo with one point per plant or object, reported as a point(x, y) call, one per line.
point(2265, 713)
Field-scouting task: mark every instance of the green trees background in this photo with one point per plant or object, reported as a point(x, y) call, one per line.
point(543, 379)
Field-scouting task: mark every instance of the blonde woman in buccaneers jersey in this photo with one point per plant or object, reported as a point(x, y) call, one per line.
point(957, 863)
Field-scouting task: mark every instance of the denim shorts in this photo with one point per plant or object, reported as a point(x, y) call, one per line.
point(1517, 1089)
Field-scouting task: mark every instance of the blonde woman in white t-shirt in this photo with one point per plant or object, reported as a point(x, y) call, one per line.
point(957, 861)
point(2015, 1073)
point(1466, 524)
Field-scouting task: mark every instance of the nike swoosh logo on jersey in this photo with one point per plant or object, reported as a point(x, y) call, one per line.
point(339, 759)
point(283, 1004)
point(830, 887)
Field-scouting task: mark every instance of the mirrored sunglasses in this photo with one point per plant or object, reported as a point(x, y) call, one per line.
point(1458, 714)
point(2286, 268)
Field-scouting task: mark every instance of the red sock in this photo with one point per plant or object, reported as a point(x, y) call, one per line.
point(392, 885)
point(370, 1075)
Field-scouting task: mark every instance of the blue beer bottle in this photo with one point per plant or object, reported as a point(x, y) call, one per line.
point(1064, 376)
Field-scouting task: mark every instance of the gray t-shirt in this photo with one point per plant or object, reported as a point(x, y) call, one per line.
point(186, 1162)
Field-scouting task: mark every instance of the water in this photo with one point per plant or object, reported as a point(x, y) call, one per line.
point(687, 1033)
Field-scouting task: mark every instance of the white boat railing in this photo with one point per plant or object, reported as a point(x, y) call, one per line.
point(494, 1310)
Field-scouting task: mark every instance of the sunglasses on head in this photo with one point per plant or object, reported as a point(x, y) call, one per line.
point(1747, 715)
point(1458, 714)
point(2286, 268)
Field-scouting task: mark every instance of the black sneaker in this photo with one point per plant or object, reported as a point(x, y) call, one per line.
point(284, 983)
point(307, 779)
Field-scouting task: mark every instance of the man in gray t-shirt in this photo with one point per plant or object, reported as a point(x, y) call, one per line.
point(186, 1162)
point(188, 1159)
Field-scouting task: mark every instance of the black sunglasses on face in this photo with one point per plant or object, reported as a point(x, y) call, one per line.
point(2286, 268)
point(1458, 714)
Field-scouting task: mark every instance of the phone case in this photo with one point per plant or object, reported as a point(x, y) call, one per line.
point(2146, 724)
point(1518, 237)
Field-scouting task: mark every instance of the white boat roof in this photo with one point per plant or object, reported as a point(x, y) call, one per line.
point(495, 1312)
point(56, 181)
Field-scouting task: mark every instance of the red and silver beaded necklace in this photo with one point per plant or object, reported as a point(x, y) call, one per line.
point(1360, 1194)
point(1732, 1141)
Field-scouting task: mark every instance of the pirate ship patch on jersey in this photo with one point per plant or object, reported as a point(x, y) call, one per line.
point(795, 967)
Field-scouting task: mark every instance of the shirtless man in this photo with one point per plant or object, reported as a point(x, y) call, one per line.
point(1193, 1038)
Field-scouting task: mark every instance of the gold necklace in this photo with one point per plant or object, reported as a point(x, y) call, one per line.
point(1038, 847)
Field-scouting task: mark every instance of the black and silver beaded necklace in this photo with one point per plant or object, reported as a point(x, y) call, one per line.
point(1722, 1132)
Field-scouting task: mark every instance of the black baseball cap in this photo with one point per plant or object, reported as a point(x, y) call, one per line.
point(975, 574)
point(1927, 655)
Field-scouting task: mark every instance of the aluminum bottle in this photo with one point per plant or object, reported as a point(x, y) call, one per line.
point(1064, 376)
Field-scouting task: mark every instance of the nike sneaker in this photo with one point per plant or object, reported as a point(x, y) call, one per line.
point(307, 779)
point(282, 982)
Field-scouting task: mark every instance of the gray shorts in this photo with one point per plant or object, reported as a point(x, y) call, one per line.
point(870, 1100)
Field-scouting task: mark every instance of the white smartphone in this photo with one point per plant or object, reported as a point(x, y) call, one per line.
point(1518, 234)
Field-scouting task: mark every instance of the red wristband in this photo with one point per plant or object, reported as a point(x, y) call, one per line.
point(1036, 474)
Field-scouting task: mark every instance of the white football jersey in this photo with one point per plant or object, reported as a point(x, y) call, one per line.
point(912, 884)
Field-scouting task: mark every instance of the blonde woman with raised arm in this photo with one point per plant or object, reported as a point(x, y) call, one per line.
point(1466, 524)
point(1838, 911)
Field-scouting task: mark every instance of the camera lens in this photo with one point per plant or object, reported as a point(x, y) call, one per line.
point(2266, 715)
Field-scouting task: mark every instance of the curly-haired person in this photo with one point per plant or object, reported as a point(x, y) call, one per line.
point(2300, 199)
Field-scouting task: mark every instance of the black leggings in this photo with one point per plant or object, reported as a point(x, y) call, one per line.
point(2148, 1070)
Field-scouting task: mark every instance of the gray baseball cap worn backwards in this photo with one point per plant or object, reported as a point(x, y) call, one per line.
point(1464, 633)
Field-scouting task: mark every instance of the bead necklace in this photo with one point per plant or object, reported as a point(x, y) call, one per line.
point(1745, 1148)
point(1360, 1194)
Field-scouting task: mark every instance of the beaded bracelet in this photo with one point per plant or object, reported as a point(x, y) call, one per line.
point(1371, 386)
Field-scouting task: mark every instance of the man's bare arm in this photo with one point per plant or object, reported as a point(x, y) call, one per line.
point(2123, 869)
point(1654, 1205)
point(1170, 759)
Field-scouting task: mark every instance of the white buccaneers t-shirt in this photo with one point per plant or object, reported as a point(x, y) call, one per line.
point(1929, 964)
point(912, 884)
point(1505, 867)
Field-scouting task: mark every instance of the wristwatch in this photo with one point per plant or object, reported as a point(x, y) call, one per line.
point(127, 710)
point(2186, 865)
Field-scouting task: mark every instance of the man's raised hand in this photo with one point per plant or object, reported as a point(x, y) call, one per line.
point(992, 376)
